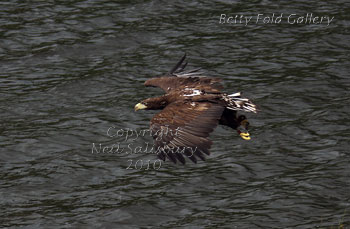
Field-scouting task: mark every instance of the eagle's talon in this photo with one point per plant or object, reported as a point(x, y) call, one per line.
point(245, 136)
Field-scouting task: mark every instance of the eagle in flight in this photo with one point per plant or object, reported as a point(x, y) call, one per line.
point(192, 106)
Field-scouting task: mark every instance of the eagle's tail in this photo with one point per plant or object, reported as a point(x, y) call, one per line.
point(236, 102)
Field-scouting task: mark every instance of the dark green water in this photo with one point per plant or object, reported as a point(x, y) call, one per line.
point(70, 70)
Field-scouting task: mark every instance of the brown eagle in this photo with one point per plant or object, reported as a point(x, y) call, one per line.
point(191, 108)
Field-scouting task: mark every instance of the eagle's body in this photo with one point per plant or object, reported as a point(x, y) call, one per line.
point(192, 107)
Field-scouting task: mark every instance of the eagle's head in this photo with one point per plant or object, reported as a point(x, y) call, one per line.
point(152, 104)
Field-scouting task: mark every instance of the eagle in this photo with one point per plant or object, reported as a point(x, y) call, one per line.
point(192, 106)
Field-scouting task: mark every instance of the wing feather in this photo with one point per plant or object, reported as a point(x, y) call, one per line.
point(190, 124)
point(169, 83)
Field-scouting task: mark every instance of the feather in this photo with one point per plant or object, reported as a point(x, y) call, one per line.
point(178, 65)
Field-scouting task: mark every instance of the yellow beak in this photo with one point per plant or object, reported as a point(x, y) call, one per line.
point(140, 106)
point(245, 136)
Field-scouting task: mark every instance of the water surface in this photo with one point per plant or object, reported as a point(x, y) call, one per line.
point(70, 70)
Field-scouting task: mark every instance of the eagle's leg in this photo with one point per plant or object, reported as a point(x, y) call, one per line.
point(242, 130)
point(240, 123)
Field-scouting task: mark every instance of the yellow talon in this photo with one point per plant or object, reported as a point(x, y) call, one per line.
point(245, 136)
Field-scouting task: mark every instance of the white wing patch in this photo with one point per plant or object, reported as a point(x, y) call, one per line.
point(235, 94)
point(192, 92)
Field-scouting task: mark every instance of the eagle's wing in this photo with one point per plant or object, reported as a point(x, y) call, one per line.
point(182, 128)
point(178, 77)
point(179, 67)
point(169, 83)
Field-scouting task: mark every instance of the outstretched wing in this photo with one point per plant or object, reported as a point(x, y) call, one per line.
point(178, 77)
point(182, 128)
point(168, 83)
point(179, 67)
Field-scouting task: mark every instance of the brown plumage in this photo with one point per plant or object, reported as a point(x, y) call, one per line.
point(192, 107)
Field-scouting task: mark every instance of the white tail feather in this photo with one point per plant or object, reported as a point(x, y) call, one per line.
point(235, 102)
